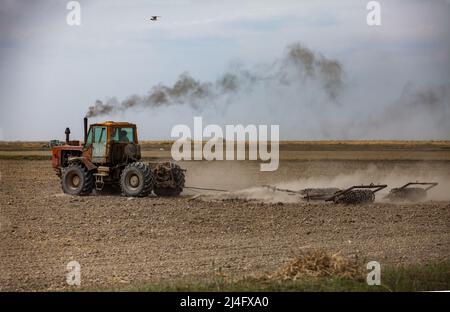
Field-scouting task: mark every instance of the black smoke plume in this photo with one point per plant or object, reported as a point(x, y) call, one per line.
point(297, 64)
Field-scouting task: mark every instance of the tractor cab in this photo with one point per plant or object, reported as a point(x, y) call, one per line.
point(112, 143)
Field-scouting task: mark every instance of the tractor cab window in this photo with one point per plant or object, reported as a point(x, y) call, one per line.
point(90, 137)
point(96, 135)
point(123, 135)
point(100, 134)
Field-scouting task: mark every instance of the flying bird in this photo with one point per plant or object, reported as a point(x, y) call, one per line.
point(154, 17)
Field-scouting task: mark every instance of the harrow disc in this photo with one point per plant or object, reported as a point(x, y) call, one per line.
point(413, 194)
point(356, 197)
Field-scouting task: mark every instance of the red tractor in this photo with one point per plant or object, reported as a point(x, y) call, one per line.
point(111, 155)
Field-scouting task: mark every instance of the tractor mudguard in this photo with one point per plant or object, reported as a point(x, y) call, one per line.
point(89, 165)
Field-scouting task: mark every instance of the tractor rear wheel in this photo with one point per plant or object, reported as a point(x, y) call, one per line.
point(77, 180)
point(136, 180)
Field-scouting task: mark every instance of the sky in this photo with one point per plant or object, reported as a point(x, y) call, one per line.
point(389, 82)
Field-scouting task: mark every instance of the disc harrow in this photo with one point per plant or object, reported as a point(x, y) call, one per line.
point(409, 193)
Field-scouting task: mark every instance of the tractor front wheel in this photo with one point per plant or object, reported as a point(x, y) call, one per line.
point(136, 180)
point(77, 180)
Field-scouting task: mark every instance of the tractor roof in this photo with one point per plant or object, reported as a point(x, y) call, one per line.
point(114, 124)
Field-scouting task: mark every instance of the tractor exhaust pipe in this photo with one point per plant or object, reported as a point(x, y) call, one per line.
point(67, 132)
point(85, 129)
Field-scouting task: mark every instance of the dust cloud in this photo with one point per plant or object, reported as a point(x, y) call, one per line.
point(395, 177)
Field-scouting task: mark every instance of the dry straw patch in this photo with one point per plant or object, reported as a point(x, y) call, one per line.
point(318, 263)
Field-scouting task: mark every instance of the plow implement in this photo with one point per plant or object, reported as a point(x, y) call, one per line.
point(408, 192)
point(354, 195)
point(357, 194)
point(309, 193)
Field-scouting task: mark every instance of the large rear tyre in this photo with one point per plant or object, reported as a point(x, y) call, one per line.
point(77, 180)
point(136, 180)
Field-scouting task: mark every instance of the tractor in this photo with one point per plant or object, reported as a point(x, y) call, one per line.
point(111, 156)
